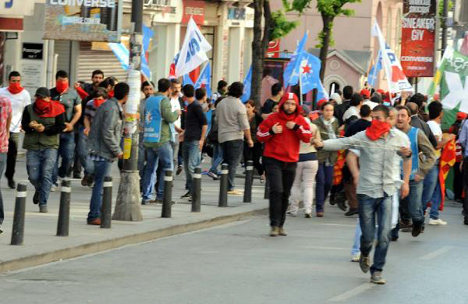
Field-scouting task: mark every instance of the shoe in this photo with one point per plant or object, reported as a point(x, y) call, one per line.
point(319, 214)
point(437, 222)
point(342, 205)
point(54, 187)
point(213, 175)
point(356, 257)
point(407, 229)
point(11, 183)
point(282, 232)
point(145, 202)
point(293, 214)
point(36, 197)
point(84, 181)
point(262, 179)
point(96, 221)
point(274, 231)
point(179, 170)
point(186, 195)
point(1, 229)
point(235, 192)
point(376, 278)
point(308, 215)
point(394, 238)
point(465, 222)
point(158, 201)
point(364, 263)
point(416, 230)
point(404, 224)
point(351, 212)
point(43, 209)
point(332, 199)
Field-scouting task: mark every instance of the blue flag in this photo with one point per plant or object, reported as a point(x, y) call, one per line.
point(375, 70)
point(187, 80)
point(204, 80)
point(289, 77)
point(247, 86)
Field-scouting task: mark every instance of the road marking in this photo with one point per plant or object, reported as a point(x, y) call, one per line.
point(436, 253)
point(352, 293)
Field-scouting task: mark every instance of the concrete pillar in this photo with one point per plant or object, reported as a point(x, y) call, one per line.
point(236, 49)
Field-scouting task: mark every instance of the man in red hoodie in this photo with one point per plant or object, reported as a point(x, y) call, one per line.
point(282, 132)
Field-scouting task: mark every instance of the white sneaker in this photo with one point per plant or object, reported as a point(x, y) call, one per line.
point(437, 222)
point(54, 187)
point(356, 257)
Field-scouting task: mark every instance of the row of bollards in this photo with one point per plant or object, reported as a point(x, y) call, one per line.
point(63, 223)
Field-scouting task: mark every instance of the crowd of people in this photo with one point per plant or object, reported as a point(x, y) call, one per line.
point(368, 152)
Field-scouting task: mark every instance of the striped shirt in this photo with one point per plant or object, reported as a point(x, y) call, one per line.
point(5, 113)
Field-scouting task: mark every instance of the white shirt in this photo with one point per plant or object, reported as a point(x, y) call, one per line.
point(18, 103)
point(176, 106)
point(371, 104)
point(436, 130)
point(352, 111)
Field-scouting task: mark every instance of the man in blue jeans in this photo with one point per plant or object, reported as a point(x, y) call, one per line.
point(159, 131)
point(380, 147)
point(104, 145)
point(194, 134)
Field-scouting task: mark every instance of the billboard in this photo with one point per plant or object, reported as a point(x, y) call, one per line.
point(418, 37)
point(83, 20)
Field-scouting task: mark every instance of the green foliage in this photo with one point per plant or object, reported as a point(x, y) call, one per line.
point(281, 26)
point(441, 7)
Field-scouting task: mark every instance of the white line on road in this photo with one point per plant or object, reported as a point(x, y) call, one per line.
point(352, 293)
point(436, 253)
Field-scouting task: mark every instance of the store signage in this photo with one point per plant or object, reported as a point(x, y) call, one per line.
point(33, 51)
point(418, 37)
point(273, 50)
point(235, 13)
point(195, 9)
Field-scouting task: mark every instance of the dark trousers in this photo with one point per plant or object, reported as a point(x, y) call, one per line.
point(465, 186)
point(11, 155)
point(280, 176)
point(232, 151)
point(458, 181)
point(254, 154)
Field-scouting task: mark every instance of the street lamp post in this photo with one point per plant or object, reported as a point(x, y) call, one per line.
point(127, 207)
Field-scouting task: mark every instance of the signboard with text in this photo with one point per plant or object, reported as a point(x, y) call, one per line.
point(83, 20)
point(194, 9)
point(33, 51)
point(418, 37)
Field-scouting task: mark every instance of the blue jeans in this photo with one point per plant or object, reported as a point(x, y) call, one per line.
point(101, 169)
point(371, 209)
point(357, 239)
point(324, 180)
point(66, 150)
point(217, 158)
point(232, 152)
point(40, 165)
point(82, 150)
point(411, 206)
point(432, 192)
point(3, 160)
point(153, 157)
point(191, 154)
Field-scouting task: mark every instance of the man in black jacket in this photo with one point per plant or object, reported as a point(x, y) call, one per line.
point(341, 108)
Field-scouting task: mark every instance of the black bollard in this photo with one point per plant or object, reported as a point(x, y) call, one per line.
point(64, 209)
point(223, 186)
point(18, 218)
point(196, 190)
point(248, 182)
point(167, 195)
point(267, 189)
point(106, 208)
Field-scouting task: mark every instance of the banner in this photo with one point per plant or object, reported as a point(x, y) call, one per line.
point(193, 51)
point(247, 86)
point(418, 38)
point(83, 20)
point(375, 71)
point(204, 80)
point(396, 79)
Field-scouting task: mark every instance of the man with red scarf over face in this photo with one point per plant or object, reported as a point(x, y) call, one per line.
point(380, 147)
point(42, 121)
point(282, 132)
point(69, 98)
point(19, 98)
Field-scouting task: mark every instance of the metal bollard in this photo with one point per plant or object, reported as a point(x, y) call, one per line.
point(223, 186)
point(106, 208)
point(18, 219)
point(64, 209)
point(267, 189)
point(167, 196)
point(196, 190)
point(248, 182)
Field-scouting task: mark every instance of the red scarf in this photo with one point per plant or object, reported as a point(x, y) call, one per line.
point(61, 86)
point(377, 129)
point(48, 108)
point(110, 94)
point(15, 88)
point(99, 102)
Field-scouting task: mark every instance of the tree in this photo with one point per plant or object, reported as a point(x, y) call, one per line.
point(275, 26)
point(329, 10)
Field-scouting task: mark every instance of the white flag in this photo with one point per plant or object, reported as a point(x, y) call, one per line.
point(397, 80)
point(193, 51)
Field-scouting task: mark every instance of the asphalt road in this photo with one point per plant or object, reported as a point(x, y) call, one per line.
point(239, 263)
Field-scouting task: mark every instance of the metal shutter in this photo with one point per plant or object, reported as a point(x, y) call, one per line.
point(62, 49)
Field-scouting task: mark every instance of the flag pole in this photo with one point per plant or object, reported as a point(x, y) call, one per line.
point(300, 89)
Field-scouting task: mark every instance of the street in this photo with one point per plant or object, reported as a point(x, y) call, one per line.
point(240, 263)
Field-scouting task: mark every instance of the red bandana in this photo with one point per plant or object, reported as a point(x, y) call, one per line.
point(99, 102)
point(61, 86)
point(15, 88)
point(110, 94)
point(48, 108)
point(377, 129)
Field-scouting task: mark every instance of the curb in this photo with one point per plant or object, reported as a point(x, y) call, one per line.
point(85, 249)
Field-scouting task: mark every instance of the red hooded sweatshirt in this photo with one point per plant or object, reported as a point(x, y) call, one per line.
point(284, 146)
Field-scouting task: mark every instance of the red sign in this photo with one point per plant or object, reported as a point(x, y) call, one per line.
point(196, 9)
point(418, 37)
point(273, 49)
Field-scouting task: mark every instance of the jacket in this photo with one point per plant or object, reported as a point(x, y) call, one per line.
point(284, 146)
point(323, 155)
point(166, 118)
point(417, 122)
point(106, 130)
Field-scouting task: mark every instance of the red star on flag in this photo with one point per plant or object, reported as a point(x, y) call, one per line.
point(306, 69)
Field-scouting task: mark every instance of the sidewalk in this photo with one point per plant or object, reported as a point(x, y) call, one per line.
point(42, 246)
